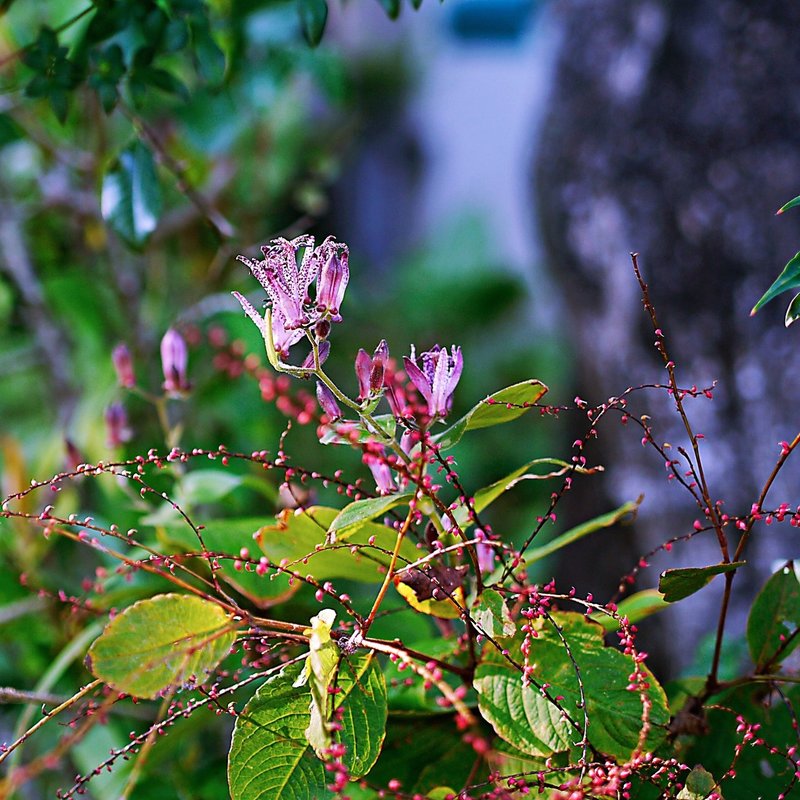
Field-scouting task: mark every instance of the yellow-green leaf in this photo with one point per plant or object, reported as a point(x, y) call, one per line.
point(161, 643)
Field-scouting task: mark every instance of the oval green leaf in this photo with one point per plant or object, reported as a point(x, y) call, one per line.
point(366, 510)
point(161, 643)
point(228, 537)
point(523, 717)
point(634, 608)
point(491, 615)
point(298, 540)
point(270, 758)
point(675, 584)
point(700, 785)
point(774, 618)
point(504, 406)
point(131, 196)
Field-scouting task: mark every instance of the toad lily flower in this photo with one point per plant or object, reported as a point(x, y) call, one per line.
point(284, 280)
point(437, 378)
point(286, 274)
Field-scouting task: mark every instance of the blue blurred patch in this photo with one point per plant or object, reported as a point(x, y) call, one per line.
point(492, 20)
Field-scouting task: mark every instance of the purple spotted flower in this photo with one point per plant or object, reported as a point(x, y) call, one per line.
point(436, 376)
point(286, 273)
point(285, 280)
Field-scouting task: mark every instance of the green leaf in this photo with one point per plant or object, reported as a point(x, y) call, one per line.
point(700, 784)
point(409, 695)
point(759, 771)
point(486, 496)
point(391, 7)
point(675, 584)
point(523, 717)
point(206, 486)
point(635, 608)
point(790, 204)
point(229, 536)
point(774, 617)
point(270, 758)
point(787, 280)
point(299, 539)
point(441, 793)
point(108, 67)
point(366, 510)
point(491, 615)
point(160, 643)
point(793, 311)
point(362, 698)
point(313, 15)
point(503, 406)
point(131, 195)
point(425, 756)
point(579, 531)
point(209, 57)
point(340, 432)
point(163, 80)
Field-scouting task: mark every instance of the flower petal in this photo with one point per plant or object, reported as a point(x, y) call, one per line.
point(419, 379)
point(251, 312)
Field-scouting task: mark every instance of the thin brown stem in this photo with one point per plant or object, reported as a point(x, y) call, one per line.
point(401, 534)
point(68, 703)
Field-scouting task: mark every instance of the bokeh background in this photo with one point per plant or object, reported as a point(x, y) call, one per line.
point(491, 164)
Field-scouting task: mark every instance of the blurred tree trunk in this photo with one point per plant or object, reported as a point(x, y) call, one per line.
point(672, 130)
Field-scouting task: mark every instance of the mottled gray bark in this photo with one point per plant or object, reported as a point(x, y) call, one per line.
point(674, 130)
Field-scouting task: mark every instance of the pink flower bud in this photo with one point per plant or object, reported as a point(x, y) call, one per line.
point(174, 360)
point(123, 364)
point(328, 402)
point(117, 429)
point(370, 371)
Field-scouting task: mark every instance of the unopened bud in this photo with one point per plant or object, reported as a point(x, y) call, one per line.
point(379, 359)
point(322, 329)
point(174, 360)
point(324, 351)
point(123, 365)
point(370, 371)
point(74, 457)
point(328, 402)
point(363, 370)
point(117, 429)
point(333, 277)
